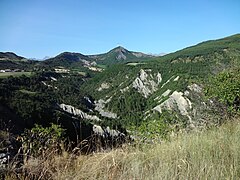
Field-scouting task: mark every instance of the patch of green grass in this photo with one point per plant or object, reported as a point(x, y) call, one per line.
point(14, 74)
point(102, 66)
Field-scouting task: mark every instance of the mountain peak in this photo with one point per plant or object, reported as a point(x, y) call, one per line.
point(119, 49)
point(69, 53)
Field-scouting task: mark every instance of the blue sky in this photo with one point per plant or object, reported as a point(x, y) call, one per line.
point(38, 28)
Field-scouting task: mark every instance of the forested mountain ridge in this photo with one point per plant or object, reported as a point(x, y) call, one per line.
point(67, 59)
point(10, 56)
point(9, 60)
point(118, 55)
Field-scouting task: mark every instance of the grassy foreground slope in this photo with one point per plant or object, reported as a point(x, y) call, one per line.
point(210, 154)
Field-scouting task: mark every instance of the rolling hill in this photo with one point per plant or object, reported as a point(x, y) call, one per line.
point(119, 55)
point(68, 59)
point(9, 60)
point(10, 56)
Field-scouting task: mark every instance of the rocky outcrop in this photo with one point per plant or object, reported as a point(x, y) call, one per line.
point(100, 105)
point(120, 53)
point(195, 88)
point(176, 79)
point(146, 83)
point(98, 130)
point(165, 94)
point(105, 138)
point(167, 82)
point(124, 89)
point(103, 86)
point(107, 132)
point(176, 101)
point(77, 112)
point(121, 56)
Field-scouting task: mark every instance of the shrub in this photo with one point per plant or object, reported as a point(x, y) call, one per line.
point(226, 88)
point(40, 140)
point(158, 129)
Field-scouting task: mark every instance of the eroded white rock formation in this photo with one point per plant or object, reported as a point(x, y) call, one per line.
point(166, 93)
point(100, 105)
point(176, 101)
point(77, 112)
point(147, 83)
point(166, 82)
point(98, 130)
point(103, 86)
point(124, 89)
point(107, 132)
point(195, 88)
point(176, 79)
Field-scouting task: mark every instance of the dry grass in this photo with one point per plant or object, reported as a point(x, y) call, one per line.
point(212, 154)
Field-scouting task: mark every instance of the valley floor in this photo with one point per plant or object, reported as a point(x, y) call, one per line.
point(210, 154)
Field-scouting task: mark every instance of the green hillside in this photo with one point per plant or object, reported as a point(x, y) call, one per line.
point(120, 55)
point(10, 56)
point(67, 59)
point(217, 46)
point(192, 65)
point(9, 60)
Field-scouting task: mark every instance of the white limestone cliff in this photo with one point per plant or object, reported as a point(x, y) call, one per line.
point(77, 112)
point(146, 83)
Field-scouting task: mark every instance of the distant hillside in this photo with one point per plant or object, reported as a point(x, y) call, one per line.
point(68, 59)
point(10, 56)
point(119, 55)
point(224, 45)
point(9, 60)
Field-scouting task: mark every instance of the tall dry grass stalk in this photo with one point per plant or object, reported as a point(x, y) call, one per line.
point(210, 154)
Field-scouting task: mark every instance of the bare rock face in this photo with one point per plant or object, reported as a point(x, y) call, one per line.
point(124, 89)
point(165, 94)
point(120, 50)
point(100, 105)
point(121, 53)
point(176, 79)
point(109, 137)
point(103, 86)
point(121, 56)
point(176, 101)
point(147, 83)
point(98, 130)
point(77, 112)
point(106, 132)
point(195, 88)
